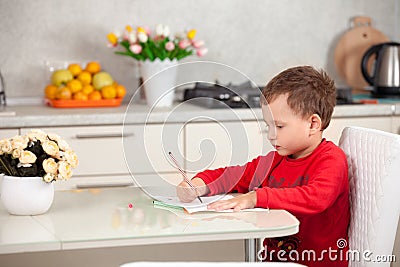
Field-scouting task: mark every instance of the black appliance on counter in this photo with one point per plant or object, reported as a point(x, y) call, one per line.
point(245, 95)
point(216, 95)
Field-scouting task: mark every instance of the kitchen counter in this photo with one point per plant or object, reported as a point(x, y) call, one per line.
point(43, 116)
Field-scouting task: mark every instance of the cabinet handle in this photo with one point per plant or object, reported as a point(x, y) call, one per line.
point(103, 135)
point(101, 185)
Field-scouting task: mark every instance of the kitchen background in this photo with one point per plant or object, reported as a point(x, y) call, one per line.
point(260, 37)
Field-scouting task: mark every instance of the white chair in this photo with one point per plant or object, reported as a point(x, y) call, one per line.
point(374, 176)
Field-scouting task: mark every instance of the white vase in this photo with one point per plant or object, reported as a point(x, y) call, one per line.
point(159, 79)
point(26, 195)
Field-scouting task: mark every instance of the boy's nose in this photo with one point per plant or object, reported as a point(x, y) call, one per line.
point(271, 134)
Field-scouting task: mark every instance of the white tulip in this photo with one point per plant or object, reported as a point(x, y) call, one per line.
point(159, 30)
point(142, 37)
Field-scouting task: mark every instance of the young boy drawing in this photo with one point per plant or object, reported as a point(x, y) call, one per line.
point(306, 174)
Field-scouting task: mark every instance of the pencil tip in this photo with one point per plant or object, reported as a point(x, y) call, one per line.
point(169, 153)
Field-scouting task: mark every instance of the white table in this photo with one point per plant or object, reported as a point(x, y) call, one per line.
point(94, 218)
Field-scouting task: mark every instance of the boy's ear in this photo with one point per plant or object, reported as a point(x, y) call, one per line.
point(315, 123)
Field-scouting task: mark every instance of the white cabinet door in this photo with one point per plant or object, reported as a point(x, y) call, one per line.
point(8, 133)
point(396, 124)
point(211, 145)
point(334, 130)
point(114, 150)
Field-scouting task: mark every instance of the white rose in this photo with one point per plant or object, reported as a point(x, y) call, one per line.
point(37, 134)
point(64, 170)
point(50, 166)
point(53, 137)
point(16, 153)
point(51, 148)
point(48, 177)
point(5, 146)
point(20, 142)
point(63, 145)
point(27, 157)
point(71, 158)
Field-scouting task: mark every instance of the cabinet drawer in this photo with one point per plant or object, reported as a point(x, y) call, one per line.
point(101, 150)
point(8, 133)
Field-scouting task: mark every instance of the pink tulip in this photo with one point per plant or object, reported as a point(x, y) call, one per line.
point(169, 46)
point(135, 48)
point(197, 43)
point(183, 44)
point(202, 51)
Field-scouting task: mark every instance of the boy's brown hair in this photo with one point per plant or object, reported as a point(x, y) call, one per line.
point(309, 92)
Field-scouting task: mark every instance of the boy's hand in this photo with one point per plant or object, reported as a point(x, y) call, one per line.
point(188, 194)
point(245, 201)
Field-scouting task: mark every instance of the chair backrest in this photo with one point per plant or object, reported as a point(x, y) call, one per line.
point(374, 176)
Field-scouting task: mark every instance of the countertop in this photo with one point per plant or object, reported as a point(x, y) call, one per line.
point(42, 116)
point(93, 218)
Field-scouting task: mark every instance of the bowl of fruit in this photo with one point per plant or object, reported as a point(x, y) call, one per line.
point(83, 85)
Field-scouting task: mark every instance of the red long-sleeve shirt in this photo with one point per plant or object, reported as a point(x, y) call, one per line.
point(314, 188)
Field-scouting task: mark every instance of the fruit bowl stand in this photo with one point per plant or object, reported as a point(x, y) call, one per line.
point(115, 102)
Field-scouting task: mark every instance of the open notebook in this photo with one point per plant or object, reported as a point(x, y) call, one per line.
point(196, 205)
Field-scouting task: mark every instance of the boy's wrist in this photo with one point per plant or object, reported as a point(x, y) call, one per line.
point(201, 186)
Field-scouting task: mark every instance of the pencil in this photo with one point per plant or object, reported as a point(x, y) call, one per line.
point(187, 180)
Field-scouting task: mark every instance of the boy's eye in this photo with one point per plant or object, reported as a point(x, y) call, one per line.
point(279, 126)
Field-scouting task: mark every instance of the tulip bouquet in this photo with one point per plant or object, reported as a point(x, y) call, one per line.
point(37, 154)
point(142, 44)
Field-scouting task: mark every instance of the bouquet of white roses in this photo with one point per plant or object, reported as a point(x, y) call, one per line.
point(37, 154)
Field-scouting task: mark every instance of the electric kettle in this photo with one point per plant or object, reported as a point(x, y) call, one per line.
point(385, 76)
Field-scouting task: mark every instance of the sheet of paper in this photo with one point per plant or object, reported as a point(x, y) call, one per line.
point(196, 205)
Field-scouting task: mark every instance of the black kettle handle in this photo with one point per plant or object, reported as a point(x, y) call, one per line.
point(364, 62)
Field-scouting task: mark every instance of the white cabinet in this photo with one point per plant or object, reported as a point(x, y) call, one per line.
point(335, 128)
point(111, 153)
point(8, 133)
point(396, 124)
point(210, 145)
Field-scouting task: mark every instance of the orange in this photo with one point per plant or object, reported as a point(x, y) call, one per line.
point(50, 91)
point(93, 67)
point(85, 77)
point(108, 92)
point(63, 93)
point(87, 89)
point(74, 85)
point(75, 69)
point(121, 90)
point(80, 96)
point(95, 95)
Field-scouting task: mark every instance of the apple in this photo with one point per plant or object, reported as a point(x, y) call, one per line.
point(61, 77)
point(102, 79)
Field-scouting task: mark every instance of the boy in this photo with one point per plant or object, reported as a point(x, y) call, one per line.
point(306, 175)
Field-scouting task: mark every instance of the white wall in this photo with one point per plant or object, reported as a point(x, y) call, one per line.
point(259, 37)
